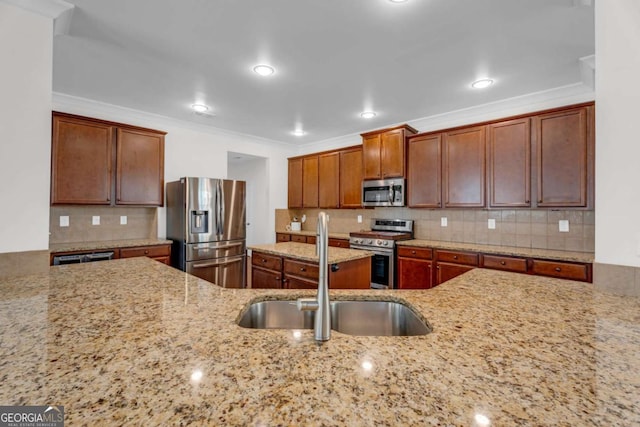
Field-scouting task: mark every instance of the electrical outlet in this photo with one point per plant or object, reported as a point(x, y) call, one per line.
point(563, 226)
point(123, 220)
point(95, 220)
point(443, 221)
point(491, 224)
point(359, 219)
point(64, 221)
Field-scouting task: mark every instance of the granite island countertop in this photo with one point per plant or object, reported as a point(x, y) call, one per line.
point(105, 244)
point(135, 342)
point(502, 250)
point(307, 252)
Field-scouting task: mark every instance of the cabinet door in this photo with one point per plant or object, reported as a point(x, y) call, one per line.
point(329, 180)
point(562, 158)
point(424, 171)
point(415, 273)
point(464, 167)
point(81, 162)
point(295, 183)
point(371, 160)
point(392, 154)
point(267, 279)
point(509, 164)
point(351, 178)
point(310, 182)
point(445, 271)
point(291, 282)
point(140, 168)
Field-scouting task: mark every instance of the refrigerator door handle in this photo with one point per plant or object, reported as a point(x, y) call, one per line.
point(224, 261)
point(208, 246)
point(220, 208)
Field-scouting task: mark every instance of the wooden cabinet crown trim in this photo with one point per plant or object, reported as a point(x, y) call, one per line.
point(405, 127)
point(106, 122)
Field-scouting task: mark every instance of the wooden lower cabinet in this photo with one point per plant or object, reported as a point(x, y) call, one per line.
point(415, 268)
point(272, 271)
point(423, 268)
point(283, 237)
point(160, 253)
point(339, 243)
point(299, 238)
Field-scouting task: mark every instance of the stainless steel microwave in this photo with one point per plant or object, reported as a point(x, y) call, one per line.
point(384, 192)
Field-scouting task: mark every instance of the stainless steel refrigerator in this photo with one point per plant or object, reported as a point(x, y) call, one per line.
point(206, 222)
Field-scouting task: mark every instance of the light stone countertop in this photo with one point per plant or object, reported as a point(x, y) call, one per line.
point(502, 250)
point(105, 244)
point(307, 252)
point(135, 342)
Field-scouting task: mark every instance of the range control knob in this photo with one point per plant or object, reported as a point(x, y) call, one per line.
point(379, 243)
point(369, 242)
point(385, 243)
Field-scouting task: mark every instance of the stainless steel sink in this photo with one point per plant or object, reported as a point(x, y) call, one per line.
point(370, 318)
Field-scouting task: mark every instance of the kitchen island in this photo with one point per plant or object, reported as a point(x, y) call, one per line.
point(133, 341)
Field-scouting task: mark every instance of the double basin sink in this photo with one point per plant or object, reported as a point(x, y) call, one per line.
point(363, 318)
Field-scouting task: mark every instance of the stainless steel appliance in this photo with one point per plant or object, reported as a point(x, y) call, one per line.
point(82, 257)
point(206, 222)
point(384, 192)
point(381, 240)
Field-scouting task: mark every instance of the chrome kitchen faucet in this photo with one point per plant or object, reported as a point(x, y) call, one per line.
point(322, 321)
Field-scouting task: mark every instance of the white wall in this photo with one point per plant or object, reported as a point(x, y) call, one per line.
point(26, 41)
point(617, 137)
point(194, 150)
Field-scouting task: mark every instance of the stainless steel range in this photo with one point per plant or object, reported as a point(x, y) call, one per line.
point(381, 240)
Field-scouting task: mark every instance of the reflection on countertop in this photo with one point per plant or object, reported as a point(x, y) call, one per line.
point(133, 341)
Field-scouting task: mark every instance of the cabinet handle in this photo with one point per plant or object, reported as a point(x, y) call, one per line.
point(264, 260)
point(146, 252)
point(277, 277)
point(558, 269)
point(413, 252)
point(438, 268)
point(455, 257)
point(303, 269)
point(503, 263)
point(540, 201)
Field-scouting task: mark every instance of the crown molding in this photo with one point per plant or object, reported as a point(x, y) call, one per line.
point(87, 107)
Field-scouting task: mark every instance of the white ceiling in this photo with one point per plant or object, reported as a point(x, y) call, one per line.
point(333, 58)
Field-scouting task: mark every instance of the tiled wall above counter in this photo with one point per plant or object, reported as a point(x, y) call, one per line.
point(524, 228)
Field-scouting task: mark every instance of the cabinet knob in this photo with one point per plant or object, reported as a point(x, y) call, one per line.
point(413, 252)
point(303, 269)
point(146, 252)
point(455, 257)
point(277, 277)
point(503, 263)
point(264, 260)
point(558, 269)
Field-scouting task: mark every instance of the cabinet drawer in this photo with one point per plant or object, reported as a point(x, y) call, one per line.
point(311, 240)
point(466, 258)
point(562, 270)
point(301, 269)
point(270, 262)
point(298, 238)
point(339, 243)
point(518, 265)
point(298, 283)
point(148, 251)
point(283, 237)
point(411, 252)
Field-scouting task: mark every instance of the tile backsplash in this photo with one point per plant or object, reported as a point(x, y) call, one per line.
point(526, 228)
point(142, 223)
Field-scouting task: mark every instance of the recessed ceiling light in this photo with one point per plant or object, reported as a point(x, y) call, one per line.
point(367, 114)
point(482, 83)
point(264, 70)
point(199, 108)
point(299, 132)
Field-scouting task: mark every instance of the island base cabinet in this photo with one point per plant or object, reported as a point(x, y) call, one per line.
point(354, 274)
point(265, 279)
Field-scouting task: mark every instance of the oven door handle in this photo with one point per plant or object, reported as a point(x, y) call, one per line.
point(377, 251)
point(223, 262)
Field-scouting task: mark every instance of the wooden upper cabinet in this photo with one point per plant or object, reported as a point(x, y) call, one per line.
point(563, 148)
point(329, 180)
point(463, 164)
point(351, 178)
point(81, 161)
point(84, 152)
point(384, 152)
point(371, 160)
point(424, 171)
point(509, 163)
point(295, 183)
point(140, 168)
point(310, 176)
